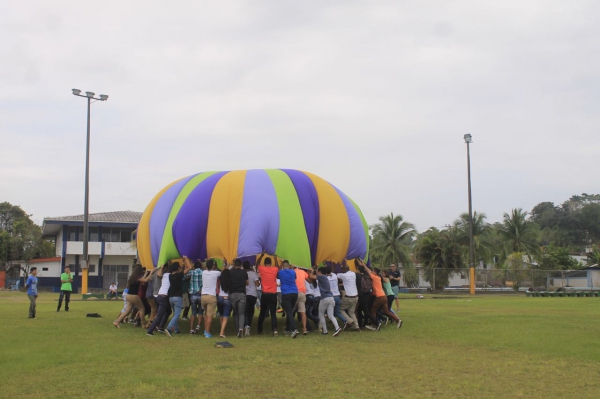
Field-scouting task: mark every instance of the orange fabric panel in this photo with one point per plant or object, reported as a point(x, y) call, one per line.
point(224, 216)
point(334, 226)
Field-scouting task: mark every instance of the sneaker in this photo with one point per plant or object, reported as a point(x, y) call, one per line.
point(295, 333)
point(168, 333)
point(324, 333)
point(184, 318)
point(370, 327)
point(247, 331)
point(337, 332)
point(356, 329)
point(378, 326)
point(399, 324)
point(207, 335)
point(286, 332)
point(275, 333)
point(198, 328)
point(160, 330)
point(192, 332)
point(387, 320)
point(348, 324)
point(304, 332)
point(240, 333)
point(222, 336)
point(150, 334)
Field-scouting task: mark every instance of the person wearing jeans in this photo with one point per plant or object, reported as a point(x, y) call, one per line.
point(251, 296)
point(327, 303)
point(335, 290)
point(32, 293)
point(239, 281)
point(176, 291)
point(289, 296)
point(65, 289)
point(268, 300)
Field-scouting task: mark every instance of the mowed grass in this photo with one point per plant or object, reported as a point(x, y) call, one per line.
point(480, 347)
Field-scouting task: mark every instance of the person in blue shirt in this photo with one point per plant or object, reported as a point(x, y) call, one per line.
point(32, 293)
point(289, 295)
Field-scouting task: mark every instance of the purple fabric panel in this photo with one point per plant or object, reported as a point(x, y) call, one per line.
point(259, 222)
point(189, 227)
point(309, 202)
point(160, 214)
point(357, 247)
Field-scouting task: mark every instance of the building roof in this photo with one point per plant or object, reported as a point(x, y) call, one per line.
point(126, 219)
point(104, 217)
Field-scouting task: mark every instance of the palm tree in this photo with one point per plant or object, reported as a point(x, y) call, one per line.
point(440, 253)
point(392, 239)
point(483, 243)
point(519, 234)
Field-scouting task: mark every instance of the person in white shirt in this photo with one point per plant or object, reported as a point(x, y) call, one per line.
point(251, 296)
point(112, 291)
point(209, 294)
point(335, 290)
point(348, 304)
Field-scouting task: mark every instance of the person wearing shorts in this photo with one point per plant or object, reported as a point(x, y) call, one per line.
point(394, 276)
point(301, 278)
point(209, 294)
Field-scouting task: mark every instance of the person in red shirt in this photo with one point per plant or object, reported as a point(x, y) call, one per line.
point(268, 300)
point(380, 299)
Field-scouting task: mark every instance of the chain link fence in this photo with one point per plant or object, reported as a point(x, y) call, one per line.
point(501, 280)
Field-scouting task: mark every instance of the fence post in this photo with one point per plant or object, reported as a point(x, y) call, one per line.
point(472, 283)
point(433, 287)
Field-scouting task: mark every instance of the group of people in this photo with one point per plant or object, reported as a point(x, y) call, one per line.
point(349, 300)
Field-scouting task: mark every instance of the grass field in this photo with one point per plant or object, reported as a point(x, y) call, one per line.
point(481, 347)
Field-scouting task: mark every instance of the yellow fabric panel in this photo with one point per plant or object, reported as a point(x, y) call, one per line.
point(223, 229)
point(334, 227)
point(351, 265)
point(143, 233)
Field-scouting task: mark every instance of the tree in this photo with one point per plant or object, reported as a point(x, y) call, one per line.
point(20, 238)
point(557, 258)
point(392, 239)
point(520, 234)
point(440, 254)
point(483, 243)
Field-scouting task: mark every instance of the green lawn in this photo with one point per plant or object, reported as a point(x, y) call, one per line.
point(481, 347)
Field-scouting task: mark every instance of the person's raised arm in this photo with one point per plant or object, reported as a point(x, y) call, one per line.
point(276, 261)
point(187, 265)
point(258, 262)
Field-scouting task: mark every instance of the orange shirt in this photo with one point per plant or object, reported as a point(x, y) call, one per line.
point(377, 287)
point(268, 279)
point(301, 276)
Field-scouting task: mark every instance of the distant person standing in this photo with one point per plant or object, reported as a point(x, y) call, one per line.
point(65, 289)
point(31, 285)
point(394, 276)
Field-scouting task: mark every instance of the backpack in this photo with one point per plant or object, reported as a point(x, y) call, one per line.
point(366, 284)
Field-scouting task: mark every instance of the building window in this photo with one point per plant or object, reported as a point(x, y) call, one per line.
point(91, 268)
point(44, 269)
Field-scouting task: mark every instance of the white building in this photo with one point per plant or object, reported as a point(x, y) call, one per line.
point(111, 249)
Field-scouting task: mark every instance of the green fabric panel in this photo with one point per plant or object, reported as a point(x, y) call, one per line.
point(292, 243)
point(365, 227)
point(168, 250)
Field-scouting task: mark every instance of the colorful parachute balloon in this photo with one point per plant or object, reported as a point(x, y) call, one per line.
point(289, 213)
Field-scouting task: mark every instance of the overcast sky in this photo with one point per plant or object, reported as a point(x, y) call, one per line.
point(373, 96)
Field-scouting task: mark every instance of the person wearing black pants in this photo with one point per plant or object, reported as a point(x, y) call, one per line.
point(251, 296)
point(289, 296)
point(268, 303)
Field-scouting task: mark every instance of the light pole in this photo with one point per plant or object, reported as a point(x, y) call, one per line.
point(84, 263)
point(469, 140)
